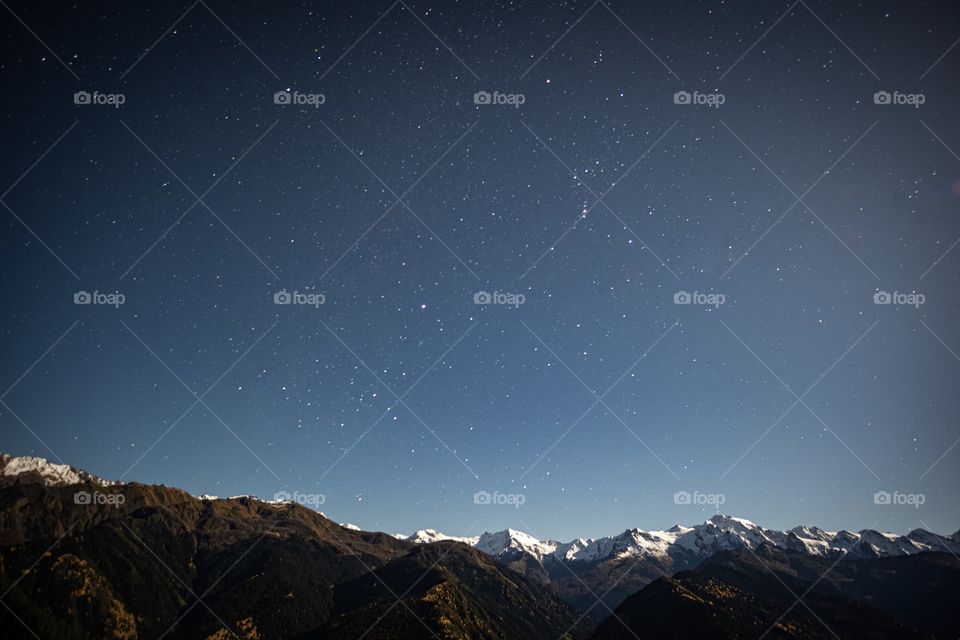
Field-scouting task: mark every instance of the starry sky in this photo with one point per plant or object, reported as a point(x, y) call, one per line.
point(791, 399)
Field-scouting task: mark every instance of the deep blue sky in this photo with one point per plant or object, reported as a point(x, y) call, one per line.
point(493, 189)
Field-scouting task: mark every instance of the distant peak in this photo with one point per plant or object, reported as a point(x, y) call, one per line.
point(500, 542)
point(426, 536)
point(51, 474)
point(721, 519)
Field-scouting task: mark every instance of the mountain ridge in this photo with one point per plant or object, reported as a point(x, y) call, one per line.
point(720, 532)
point(158, 562)
point(717, 533)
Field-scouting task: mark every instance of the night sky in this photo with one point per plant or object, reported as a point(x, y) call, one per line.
point(598, 200)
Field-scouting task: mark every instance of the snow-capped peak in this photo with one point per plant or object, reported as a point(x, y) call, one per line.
point(718, 533)
point(50, 473)
point(426, 536)
point(501, 542)
point(572, 550)
point(731, 522)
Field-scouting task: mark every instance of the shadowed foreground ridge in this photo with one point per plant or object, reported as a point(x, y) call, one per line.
point(261, 570)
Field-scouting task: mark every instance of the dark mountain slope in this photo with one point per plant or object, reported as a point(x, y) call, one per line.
point(460, 593)
point(741, 594)
point(262, 570)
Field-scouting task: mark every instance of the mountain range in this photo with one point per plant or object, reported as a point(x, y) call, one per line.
point(718, 533)
point(617, 566)
point(128, 560)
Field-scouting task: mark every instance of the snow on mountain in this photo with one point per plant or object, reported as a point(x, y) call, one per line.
point(816, 541)
point(721, 533)
point(50, 473)
point(927, 541)
point(874, 543)
point(425, 536)
point(572, 550)
point(502, 542)
point(718, 533)
point(632, 542)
